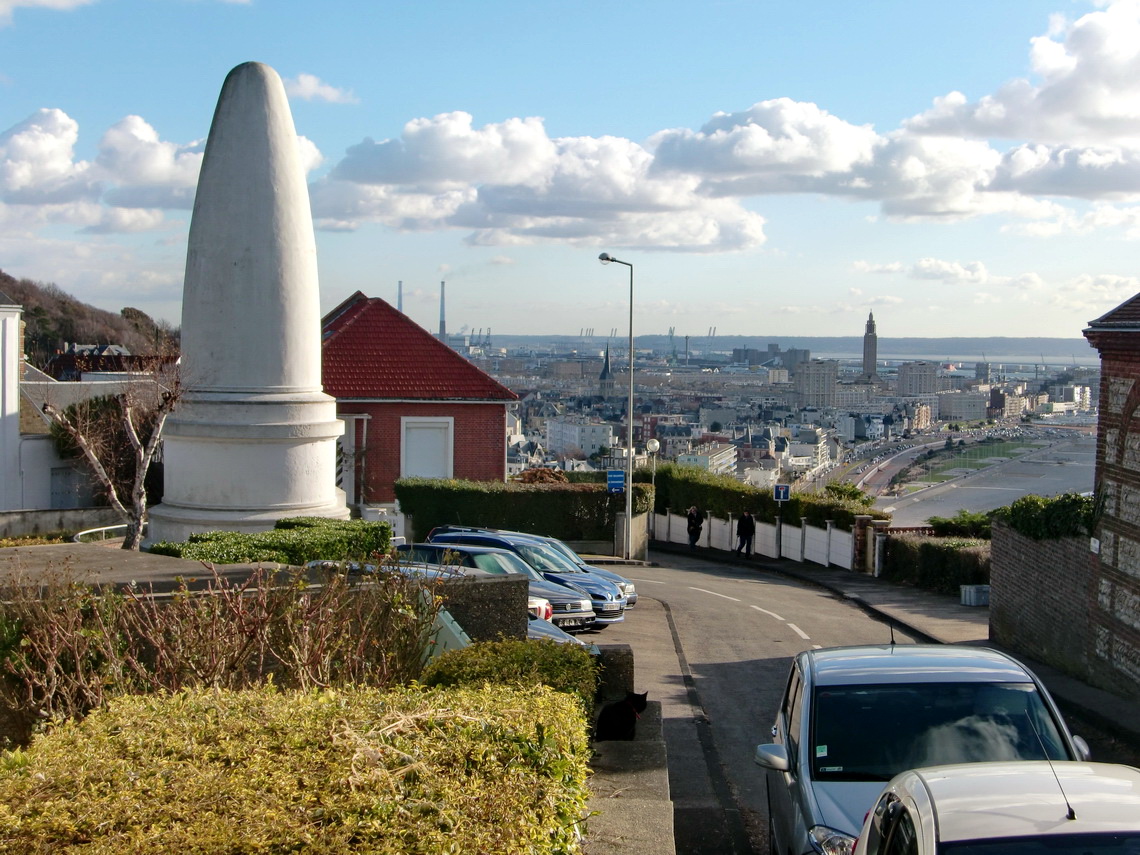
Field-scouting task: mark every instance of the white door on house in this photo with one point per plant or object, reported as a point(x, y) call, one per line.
point(426, 449)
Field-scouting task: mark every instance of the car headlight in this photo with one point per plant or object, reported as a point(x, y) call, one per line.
point(629, 589)
point(828, 841)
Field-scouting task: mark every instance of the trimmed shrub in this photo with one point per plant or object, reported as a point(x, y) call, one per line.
point(565, 511)
point(963, 524)
point(563, 667)
point(296, 541)
point(937, 563)
point(405, 771)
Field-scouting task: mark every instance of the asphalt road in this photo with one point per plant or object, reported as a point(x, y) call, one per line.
point(713, 643)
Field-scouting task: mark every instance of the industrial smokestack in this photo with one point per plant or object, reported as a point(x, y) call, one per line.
point(442, 318)
point(400, 295)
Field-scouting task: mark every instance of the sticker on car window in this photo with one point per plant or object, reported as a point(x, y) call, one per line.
point(821, 751)
point(830, 768)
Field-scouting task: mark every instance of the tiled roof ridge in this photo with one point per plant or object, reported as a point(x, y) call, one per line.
point(1127, 314)
point(464, 381)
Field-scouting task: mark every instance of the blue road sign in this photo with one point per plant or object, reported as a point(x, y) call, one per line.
point(615, 480)
point(781, 492)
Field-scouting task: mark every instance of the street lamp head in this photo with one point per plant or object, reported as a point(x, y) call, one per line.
point(606, 258)
point(653, 446)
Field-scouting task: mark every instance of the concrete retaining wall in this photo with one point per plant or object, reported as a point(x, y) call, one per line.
point(20, 523)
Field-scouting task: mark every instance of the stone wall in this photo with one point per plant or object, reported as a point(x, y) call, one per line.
point(1041, 598)
point(488, 607)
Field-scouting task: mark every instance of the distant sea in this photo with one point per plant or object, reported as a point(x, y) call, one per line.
point(1004, 351)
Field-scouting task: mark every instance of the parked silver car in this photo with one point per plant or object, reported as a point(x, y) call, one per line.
point(1007, 809)
point(854, 717)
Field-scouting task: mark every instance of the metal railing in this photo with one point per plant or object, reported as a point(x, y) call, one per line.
point(89, 534)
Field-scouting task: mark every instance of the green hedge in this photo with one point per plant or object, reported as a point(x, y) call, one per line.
point(296, 540)
point(937, 563)
point(563, 667)
point(681, 487)
point(566, 511)
point(585, 511)
point(494, 769)
point(1066, 515)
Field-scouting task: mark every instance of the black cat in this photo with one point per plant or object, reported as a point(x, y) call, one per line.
point(619, 719)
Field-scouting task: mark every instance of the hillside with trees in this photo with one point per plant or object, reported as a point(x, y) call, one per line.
point(53, 319)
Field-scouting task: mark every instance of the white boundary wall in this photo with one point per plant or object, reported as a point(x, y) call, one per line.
point(829, 546)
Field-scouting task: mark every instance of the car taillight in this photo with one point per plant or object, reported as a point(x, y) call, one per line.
point(548, 611)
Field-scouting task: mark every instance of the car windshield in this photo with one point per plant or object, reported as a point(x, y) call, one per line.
point(566, 552)
point(1049, 844)
point(545, 559)
point(504, 563)
point(430, 555)
point(873, 732)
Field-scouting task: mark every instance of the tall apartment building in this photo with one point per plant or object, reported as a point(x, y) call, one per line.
point(717, 457)
point(564, 435)
point(963, 406)
point(917, 378)
point(815, 382)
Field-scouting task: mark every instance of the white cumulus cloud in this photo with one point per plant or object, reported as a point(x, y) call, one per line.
point(309, 87)
point(7, 7)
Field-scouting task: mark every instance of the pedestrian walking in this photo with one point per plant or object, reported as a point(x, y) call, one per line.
point(696, 521)
point(745, 531)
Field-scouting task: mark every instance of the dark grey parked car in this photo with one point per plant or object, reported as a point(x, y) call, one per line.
point(627, 588)
point(854, 717)
point(572, 609)
point(605, 597)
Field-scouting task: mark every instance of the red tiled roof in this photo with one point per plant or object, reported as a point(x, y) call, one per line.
point(371, 350)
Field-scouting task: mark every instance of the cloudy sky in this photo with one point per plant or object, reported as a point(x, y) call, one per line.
point(770, 167)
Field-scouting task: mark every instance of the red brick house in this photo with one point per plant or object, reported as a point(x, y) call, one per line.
point(411, 405)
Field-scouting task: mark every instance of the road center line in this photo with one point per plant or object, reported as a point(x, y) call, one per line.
point(715, 594)
point(799, 632)
point(765, 611)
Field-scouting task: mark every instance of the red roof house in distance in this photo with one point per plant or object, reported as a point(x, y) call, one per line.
point(411, 405)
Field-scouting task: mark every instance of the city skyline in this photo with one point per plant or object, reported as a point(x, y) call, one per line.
point(963, 170)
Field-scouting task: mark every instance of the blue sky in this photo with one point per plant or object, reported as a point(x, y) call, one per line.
point(770, 168)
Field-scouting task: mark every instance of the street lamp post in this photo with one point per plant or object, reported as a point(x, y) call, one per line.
point(606, 258)
point(653, 446)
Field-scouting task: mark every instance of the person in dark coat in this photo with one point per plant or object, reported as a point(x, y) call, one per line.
point(696, 520)
point(745, 531)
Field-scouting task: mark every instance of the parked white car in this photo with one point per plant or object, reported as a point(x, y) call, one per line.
point(1025, 808)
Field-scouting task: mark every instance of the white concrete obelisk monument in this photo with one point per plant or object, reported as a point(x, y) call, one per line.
point(254, 439)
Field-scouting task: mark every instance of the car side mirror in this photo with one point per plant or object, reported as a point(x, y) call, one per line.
point(771, 756)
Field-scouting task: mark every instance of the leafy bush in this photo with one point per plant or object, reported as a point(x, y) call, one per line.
point(1065, 515)
point(563, 667)
point(566, 511)
point(937, 563)
point(962, 524)
point(68, 648)
point(296, 540)
point(406, 771)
